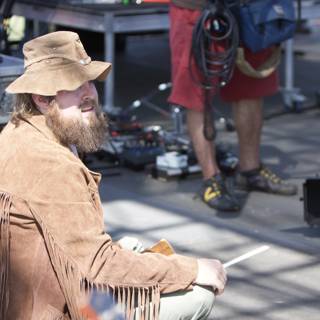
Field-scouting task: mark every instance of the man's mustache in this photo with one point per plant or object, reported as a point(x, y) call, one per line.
point(89, 102)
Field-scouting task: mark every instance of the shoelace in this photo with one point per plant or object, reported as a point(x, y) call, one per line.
point(216, 186)
point(268, 174)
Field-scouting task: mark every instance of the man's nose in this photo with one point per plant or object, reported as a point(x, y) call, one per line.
point(88, 90)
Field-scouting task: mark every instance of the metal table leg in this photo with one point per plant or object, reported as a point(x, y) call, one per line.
point(109, 56)
point(292, 97)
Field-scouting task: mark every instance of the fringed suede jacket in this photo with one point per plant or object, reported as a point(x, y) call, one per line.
point(53, 244)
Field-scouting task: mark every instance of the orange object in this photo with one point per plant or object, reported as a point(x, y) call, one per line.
point(162, 246)
point(89, 313)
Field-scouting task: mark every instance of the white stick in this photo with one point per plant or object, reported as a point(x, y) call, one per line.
point(246, 256)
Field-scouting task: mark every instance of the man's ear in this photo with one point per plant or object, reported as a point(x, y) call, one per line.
point(42, 102)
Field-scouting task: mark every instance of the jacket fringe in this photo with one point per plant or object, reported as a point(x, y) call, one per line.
point(5, 204)
point(144, 302)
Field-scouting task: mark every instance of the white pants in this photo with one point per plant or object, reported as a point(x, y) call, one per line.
point(188, 305)
point(191, 305)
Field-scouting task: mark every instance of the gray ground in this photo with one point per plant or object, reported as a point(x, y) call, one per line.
point(283, 282)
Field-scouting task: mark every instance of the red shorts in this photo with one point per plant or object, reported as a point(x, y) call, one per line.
point(185, 91)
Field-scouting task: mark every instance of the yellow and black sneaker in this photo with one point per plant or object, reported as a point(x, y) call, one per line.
point(215, 194)
point(263, 179)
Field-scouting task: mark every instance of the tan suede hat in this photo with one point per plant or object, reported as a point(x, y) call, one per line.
point(57, 61)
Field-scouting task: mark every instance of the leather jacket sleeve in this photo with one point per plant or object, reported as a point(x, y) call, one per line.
point(72, 215)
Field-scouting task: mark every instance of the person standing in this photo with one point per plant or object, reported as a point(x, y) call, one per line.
point(244, 93)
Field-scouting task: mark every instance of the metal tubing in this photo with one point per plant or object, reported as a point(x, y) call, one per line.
point(289, 65)
point(109, 56)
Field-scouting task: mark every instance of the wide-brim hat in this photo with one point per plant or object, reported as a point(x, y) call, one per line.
point(54, 62)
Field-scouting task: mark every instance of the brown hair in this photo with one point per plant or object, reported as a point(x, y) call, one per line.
point(23, 107)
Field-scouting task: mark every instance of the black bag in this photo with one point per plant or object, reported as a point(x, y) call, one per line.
point(264, 23)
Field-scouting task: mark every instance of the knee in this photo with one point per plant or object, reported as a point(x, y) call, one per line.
point(195, 304)
point(204, 301)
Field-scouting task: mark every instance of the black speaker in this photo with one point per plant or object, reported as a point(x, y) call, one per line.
point(311, 199)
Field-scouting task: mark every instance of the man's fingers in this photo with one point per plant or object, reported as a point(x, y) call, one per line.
point(221, 283)
point(131, 243)
point(223, 278)
point(212, 273)
point(219, 289)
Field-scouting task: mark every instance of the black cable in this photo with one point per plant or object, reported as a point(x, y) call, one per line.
point(6, 8)
point(299, 10)
point(215, 40)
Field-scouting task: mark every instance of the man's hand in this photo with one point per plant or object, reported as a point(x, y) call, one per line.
point(211, 273)
point(131, 243)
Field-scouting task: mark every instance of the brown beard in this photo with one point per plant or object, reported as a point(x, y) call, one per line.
point(86, 137)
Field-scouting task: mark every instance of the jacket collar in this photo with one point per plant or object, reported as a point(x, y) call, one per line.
point(39, 122)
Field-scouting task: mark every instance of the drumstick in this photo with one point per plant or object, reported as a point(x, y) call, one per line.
point(246, 256)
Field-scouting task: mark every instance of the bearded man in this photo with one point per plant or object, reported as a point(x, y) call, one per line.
point(53, 245)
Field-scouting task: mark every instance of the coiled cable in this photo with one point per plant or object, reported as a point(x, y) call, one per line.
point(215, 40)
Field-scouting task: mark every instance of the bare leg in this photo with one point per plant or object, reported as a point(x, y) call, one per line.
point(248, 119)
point(203, 148)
